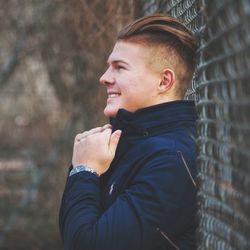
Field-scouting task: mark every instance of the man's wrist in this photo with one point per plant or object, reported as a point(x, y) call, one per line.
point(81, 168)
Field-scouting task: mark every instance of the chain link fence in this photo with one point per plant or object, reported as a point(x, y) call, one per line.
point(221, 90)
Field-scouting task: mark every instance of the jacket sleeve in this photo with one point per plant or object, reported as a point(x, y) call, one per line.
point(152, 201)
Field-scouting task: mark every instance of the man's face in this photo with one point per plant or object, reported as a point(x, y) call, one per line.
point(131, 84)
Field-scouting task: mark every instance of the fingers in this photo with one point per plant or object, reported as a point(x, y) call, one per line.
point(114, 139)
point(107, 126)
point(83, 135)
point(111, 139)
point(96, 148)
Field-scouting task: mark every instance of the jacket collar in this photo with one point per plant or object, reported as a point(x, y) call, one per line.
point(155, 118)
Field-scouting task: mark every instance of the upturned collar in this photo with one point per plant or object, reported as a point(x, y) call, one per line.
point(155, 118)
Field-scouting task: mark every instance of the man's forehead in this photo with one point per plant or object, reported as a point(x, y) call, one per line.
point(125, 51)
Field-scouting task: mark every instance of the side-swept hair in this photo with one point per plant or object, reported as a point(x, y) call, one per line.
point(166, 31)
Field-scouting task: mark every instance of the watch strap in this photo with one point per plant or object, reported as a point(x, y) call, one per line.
point(82, 168)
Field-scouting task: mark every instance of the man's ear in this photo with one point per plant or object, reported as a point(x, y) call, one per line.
point(167, 80)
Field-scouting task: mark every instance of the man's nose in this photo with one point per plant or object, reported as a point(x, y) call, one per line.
point(106, 78)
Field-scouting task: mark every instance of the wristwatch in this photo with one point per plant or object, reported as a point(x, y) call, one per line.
point(81, 168)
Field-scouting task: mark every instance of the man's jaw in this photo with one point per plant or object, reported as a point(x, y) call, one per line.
point(111, 108)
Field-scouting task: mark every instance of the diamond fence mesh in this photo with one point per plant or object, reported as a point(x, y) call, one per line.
point(221, 90)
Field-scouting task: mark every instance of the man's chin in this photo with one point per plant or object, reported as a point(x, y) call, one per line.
point(110, 112)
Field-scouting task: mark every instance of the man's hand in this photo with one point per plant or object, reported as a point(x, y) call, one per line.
point(96, 148)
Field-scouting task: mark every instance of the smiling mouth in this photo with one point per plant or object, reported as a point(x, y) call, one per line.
point(113, 95)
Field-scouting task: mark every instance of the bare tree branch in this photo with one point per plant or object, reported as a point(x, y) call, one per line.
point(10, 66)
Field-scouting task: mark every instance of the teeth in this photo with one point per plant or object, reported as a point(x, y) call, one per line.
point(113, 95)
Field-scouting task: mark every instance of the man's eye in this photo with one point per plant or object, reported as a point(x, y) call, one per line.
point(119, 67)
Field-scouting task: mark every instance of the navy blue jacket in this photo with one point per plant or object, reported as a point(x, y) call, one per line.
point(147, 198)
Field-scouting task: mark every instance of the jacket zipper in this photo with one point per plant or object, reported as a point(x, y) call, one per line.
point(186, 166)
point(168, 239)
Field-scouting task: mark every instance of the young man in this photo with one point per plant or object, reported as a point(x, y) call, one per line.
point(131, 185)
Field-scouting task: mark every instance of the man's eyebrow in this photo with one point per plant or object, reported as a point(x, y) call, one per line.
point(116, 62)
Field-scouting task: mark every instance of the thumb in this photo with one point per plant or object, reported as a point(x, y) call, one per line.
point(114, 139)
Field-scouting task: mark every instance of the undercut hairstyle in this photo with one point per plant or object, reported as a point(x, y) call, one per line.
point(174, 45)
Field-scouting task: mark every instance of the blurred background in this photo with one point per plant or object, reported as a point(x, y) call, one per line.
point(52, 53)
